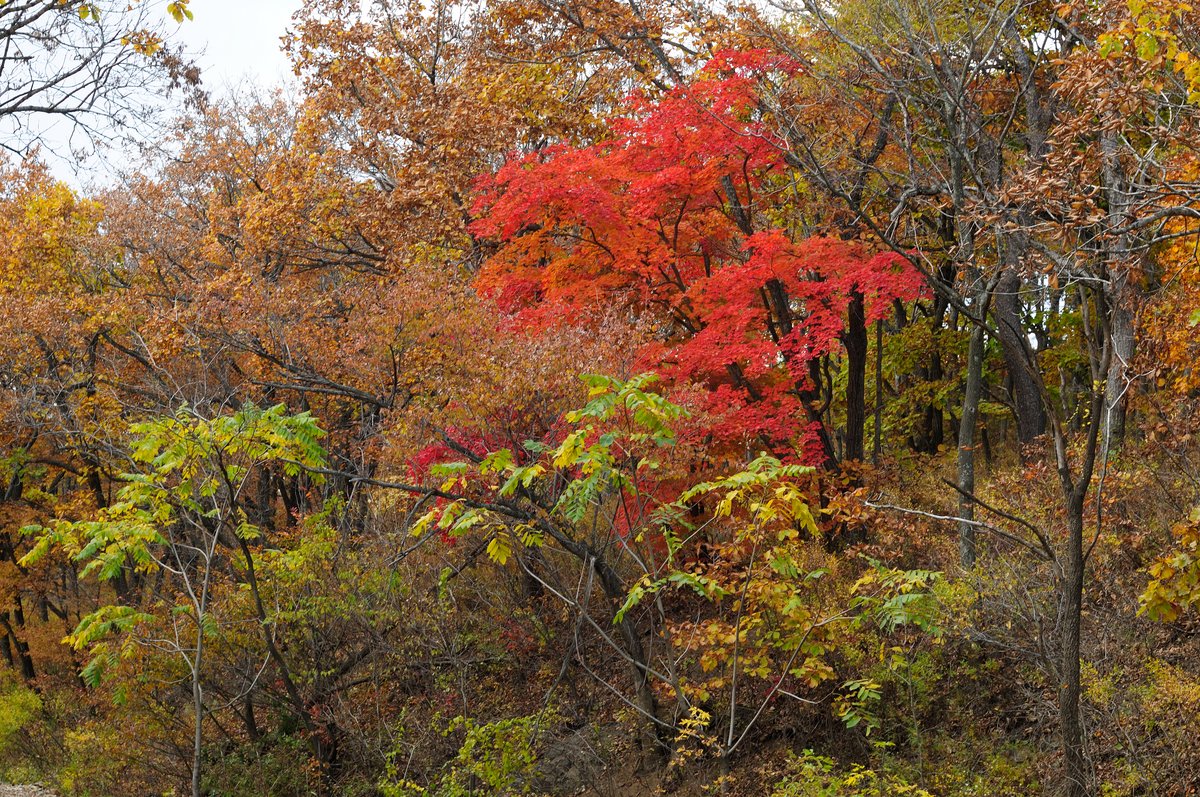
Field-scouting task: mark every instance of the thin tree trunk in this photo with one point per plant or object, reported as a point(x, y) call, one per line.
point(928, 437)
point(21, 647)
point(972, 390)
point(1070, 713)
point(807, 390)
point(299, 705)
point(1077, 771)
point(198, 708)
point(248, 719)
point(639, 664)
point(877, 448)
point(1031, 415)
point(855, 341)
point(1118, 292)
point(6, 649)
point(1116, 390)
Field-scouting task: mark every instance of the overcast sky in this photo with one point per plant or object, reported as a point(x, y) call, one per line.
point(233, 41)
point(240, 39)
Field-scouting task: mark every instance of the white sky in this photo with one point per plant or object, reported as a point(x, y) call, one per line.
point(235, 42)
point(240, 39)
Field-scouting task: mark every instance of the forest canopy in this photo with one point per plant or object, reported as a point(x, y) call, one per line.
point(605, 397)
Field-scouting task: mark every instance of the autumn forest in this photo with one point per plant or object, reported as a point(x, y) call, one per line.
point(796, 398)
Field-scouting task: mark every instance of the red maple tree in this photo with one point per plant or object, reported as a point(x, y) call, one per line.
point(679, 215)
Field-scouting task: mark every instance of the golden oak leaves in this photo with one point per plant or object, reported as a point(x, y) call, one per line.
point(1162, 35)
point(55, 273)
point(43, 233)
point(1170, 321)
point(1174, 585)
point(421, 107)
point(58, 286)
point(262, 253)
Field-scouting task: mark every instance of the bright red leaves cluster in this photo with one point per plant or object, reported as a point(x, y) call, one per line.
point(682, 214)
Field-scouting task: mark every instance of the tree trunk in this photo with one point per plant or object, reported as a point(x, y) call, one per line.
point(808, 390)
point(615, 592)
point(809, 393)
point(928, 437)
point(877, 447)
point(972, 390)
point(1031, 415)
point(1117, 264)
point(639, 665)
point(198, 708)
point(855, 341)
point(1071, 617)
point(249, 721)
point(1077, 771)
point(6, 650)
point(20, 646)
point(1116, 392)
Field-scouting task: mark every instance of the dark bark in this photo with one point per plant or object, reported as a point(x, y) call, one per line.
point(1070, 691)
point(1077, 769)
point(855, 341)
point(877, 447)
point(930, 434)
point(1027, 400)
point(811, 399)
point(807, 390)
point(249, 721)
point(614, 591)
point(11, 620)
point(299, 705)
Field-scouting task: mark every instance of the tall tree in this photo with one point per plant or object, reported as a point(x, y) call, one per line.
point(674, 215)
point(1016, 216)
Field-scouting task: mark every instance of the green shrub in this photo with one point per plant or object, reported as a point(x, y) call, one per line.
point(276, 767)
point(496, 758)
point(19, 709)
point(812, 775)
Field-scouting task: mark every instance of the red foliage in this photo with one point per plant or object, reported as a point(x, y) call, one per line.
point(673, 215)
